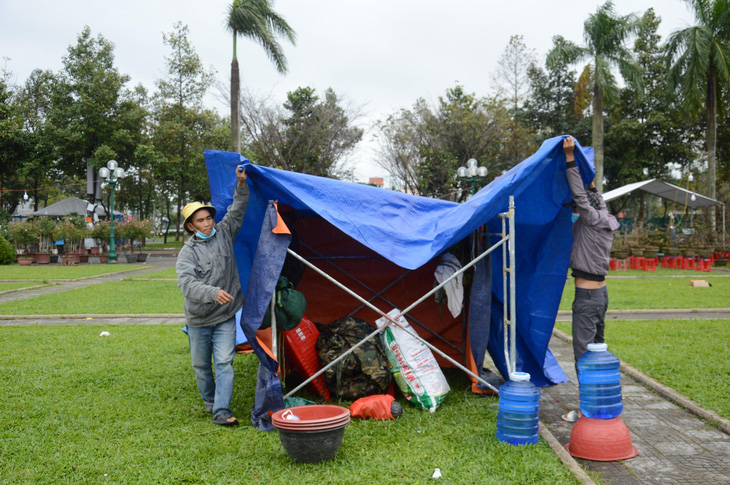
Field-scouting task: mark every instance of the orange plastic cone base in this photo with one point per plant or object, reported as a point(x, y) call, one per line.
point(601, 440)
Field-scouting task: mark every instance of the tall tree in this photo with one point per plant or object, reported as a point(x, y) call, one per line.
point(37, 160)
point(306, 134)
point(422, 148)
point(86, 104)
point(512, 76)
point(179, 115)
point(255, 20)
point(699, 67)
point(11, 144)
point(649, 136)
point(549, 108)
point(604, 33)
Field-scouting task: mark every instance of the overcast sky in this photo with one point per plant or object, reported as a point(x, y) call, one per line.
point(380, 54)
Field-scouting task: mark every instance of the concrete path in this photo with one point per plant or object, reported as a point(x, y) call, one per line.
point(675, 446)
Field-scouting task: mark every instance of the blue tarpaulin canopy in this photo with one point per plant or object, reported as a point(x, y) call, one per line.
point(406, 232)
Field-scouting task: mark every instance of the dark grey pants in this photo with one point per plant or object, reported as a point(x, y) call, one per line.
point(589, 313)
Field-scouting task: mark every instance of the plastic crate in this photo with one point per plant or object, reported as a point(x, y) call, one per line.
point(301, 352)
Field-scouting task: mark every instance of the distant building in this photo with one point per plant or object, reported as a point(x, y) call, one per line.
point(377, 181)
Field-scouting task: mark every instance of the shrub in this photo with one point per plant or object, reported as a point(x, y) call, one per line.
point(24, 235)
point(7, 253)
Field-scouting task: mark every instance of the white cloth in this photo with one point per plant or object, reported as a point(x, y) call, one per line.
point(454, 289)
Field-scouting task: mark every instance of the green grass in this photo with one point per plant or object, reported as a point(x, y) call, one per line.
point(655, 293)
point(111, 297)
point(168, 273)
point(171, 244)
point(60, 272)
point(690, 356)
point(79, 408)
point(14, 285)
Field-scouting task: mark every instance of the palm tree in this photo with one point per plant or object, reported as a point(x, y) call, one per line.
point(699, 58)
point(604, 33)
point(256, 20)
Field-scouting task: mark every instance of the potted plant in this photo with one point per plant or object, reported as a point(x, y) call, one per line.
point(142, 229)
point(101, 232)
point(24, 236)
point(126, 232)
point(46, 243)
point(72, 235)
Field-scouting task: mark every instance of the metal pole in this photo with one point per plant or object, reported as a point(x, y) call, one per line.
point(505, 321)
point(512, 289)
point(273, 324)
point(112, 242)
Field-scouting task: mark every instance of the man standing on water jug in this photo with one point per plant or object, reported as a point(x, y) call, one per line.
point(589, 258)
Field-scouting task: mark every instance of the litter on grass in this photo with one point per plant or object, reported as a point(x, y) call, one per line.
point(699, 283)
point(104, 334)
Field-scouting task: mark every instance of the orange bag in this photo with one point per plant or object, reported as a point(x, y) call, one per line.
point(377, 406)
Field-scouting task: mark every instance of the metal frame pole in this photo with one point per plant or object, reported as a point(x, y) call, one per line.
point(512, 288)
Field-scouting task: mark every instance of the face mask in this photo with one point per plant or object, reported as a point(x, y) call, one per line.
point(574, 217)
point(204, 237)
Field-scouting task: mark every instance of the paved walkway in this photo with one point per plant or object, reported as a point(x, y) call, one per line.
point(675, 446)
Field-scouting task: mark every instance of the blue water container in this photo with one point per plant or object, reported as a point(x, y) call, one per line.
point(519, 409)
point(599, 382)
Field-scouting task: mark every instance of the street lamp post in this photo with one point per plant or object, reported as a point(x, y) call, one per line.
point(112, 173)
point(472, 173)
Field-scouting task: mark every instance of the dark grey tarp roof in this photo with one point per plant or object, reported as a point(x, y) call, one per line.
point(72, 205)
point(666, 191)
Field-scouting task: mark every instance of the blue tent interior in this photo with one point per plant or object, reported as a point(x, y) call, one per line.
point(386, 243)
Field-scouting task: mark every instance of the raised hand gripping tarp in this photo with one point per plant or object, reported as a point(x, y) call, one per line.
point(410, 231)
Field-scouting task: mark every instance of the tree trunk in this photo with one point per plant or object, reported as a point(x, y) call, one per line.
point(235, 106)
point(598, 136)
point(711, 138)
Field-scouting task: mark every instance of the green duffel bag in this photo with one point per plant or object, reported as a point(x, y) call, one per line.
point(289, 307)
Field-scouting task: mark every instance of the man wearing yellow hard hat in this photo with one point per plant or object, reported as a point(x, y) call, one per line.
point(207, 275)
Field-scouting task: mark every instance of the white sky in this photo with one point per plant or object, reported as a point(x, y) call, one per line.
point(380, 54)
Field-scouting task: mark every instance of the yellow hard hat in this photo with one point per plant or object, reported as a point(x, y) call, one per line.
point(192, 208)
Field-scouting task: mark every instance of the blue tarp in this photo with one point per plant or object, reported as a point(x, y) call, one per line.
point(410, 230)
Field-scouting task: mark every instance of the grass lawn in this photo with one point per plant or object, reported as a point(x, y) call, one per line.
point(5, 286)
point(627, 294)
point(168, 273)
point(690, 356)
point(112, 297)
point(125, 409)
point(171, 244)
point(60, 272)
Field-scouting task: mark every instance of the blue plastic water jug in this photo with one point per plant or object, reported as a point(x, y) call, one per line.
point(599, 382)
point(519, 409)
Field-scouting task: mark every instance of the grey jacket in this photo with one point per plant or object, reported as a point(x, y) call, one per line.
point(592, 232)
point(204, 267)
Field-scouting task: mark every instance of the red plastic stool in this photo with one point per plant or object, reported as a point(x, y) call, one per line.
point(649, 264)
point(665, 261)
point(688, 263)
point(704, 264)
point(637, 262)
point(621, 264)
